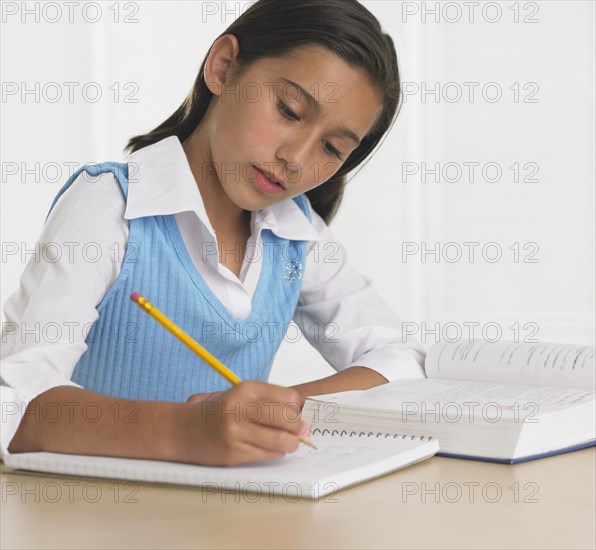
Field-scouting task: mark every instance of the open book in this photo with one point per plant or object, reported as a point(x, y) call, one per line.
point(337, 462)
point(502, 402)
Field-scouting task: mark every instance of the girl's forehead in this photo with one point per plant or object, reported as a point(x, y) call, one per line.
point(312, 57)
point(318, 71)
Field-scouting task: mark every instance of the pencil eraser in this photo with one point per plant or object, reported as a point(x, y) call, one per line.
point(135, 296)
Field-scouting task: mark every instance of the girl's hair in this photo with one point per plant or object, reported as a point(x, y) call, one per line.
point(274, 28)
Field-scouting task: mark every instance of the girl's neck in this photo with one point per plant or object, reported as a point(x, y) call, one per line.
point(223, 214)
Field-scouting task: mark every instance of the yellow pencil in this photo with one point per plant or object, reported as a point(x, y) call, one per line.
point(192, 344)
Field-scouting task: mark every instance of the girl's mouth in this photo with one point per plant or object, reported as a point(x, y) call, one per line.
point(265, 184)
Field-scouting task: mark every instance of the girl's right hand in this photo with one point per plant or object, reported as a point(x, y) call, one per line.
point(251, 421)
point(200, 396)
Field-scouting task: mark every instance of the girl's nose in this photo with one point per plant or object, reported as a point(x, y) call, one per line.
point(295, 158)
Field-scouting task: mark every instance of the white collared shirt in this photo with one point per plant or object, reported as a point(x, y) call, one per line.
point(84, 239)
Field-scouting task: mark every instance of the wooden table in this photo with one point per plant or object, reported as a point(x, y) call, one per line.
point(438, 503)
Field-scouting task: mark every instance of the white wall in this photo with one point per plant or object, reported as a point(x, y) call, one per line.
point(551, 54)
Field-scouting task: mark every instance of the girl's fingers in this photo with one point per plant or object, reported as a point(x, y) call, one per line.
point(249, 453)
point(270, 406)
point(195, 397)
point(267, 439)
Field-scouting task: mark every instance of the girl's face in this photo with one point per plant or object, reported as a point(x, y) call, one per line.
point(297, 118)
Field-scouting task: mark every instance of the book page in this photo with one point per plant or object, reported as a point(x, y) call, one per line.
point(565, 365)
point(449, 398)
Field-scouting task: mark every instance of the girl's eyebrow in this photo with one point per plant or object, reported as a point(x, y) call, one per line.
point(314, 104)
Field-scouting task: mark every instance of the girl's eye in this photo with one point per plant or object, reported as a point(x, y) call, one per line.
point(291, 115)
point(286, 112)
point(332, 151)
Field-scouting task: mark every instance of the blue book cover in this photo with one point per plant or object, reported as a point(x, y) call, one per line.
point(527, 458)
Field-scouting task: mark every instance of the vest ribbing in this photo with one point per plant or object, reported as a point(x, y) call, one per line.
point(130, 355)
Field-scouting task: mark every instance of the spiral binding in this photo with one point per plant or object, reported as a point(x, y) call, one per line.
point(325, 431)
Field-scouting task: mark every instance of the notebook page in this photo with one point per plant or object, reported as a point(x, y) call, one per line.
point(336, 463)
point(565, 365)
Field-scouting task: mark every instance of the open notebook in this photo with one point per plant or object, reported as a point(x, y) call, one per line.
point(337, 462)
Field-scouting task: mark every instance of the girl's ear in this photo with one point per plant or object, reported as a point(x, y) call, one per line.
point(221, 63)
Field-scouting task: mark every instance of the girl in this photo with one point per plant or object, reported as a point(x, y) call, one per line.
point(217, 209)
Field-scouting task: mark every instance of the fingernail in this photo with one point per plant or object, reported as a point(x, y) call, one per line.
point(305, 430)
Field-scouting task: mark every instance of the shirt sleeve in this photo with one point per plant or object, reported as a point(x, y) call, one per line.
point(342, 316)
point(77, 259)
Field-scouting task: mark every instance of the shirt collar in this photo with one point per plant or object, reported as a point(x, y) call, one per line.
point(161, 183)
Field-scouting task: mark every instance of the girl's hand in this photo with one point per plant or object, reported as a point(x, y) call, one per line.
point(200, 396)
point(251, 421)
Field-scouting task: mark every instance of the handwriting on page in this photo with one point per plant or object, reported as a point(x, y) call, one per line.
point(352, 451)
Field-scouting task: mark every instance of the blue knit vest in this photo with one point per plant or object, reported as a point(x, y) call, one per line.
point(130, 355)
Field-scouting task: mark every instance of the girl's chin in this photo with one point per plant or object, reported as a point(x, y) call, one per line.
point(250, 200)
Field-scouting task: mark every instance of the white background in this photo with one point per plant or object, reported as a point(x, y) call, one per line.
point(547, 55)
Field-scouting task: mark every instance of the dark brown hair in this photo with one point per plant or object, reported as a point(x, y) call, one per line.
point(273, 28)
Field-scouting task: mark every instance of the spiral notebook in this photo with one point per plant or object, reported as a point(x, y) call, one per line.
point(339, 461)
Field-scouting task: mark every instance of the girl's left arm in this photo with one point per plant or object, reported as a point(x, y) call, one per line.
point(361, 337)
point(353, 378)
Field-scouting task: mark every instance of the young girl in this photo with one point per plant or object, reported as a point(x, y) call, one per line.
point(216, 209)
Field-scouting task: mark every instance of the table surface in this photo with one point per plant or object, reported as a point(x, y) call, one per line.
point(438, 503)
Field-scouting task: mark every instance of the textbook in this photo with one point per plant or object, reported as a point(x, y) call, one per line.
point(338, 462)
point(499, 402)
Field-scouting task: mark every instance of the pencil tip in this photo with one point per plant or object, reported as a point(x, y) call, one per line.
point(307, 441)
